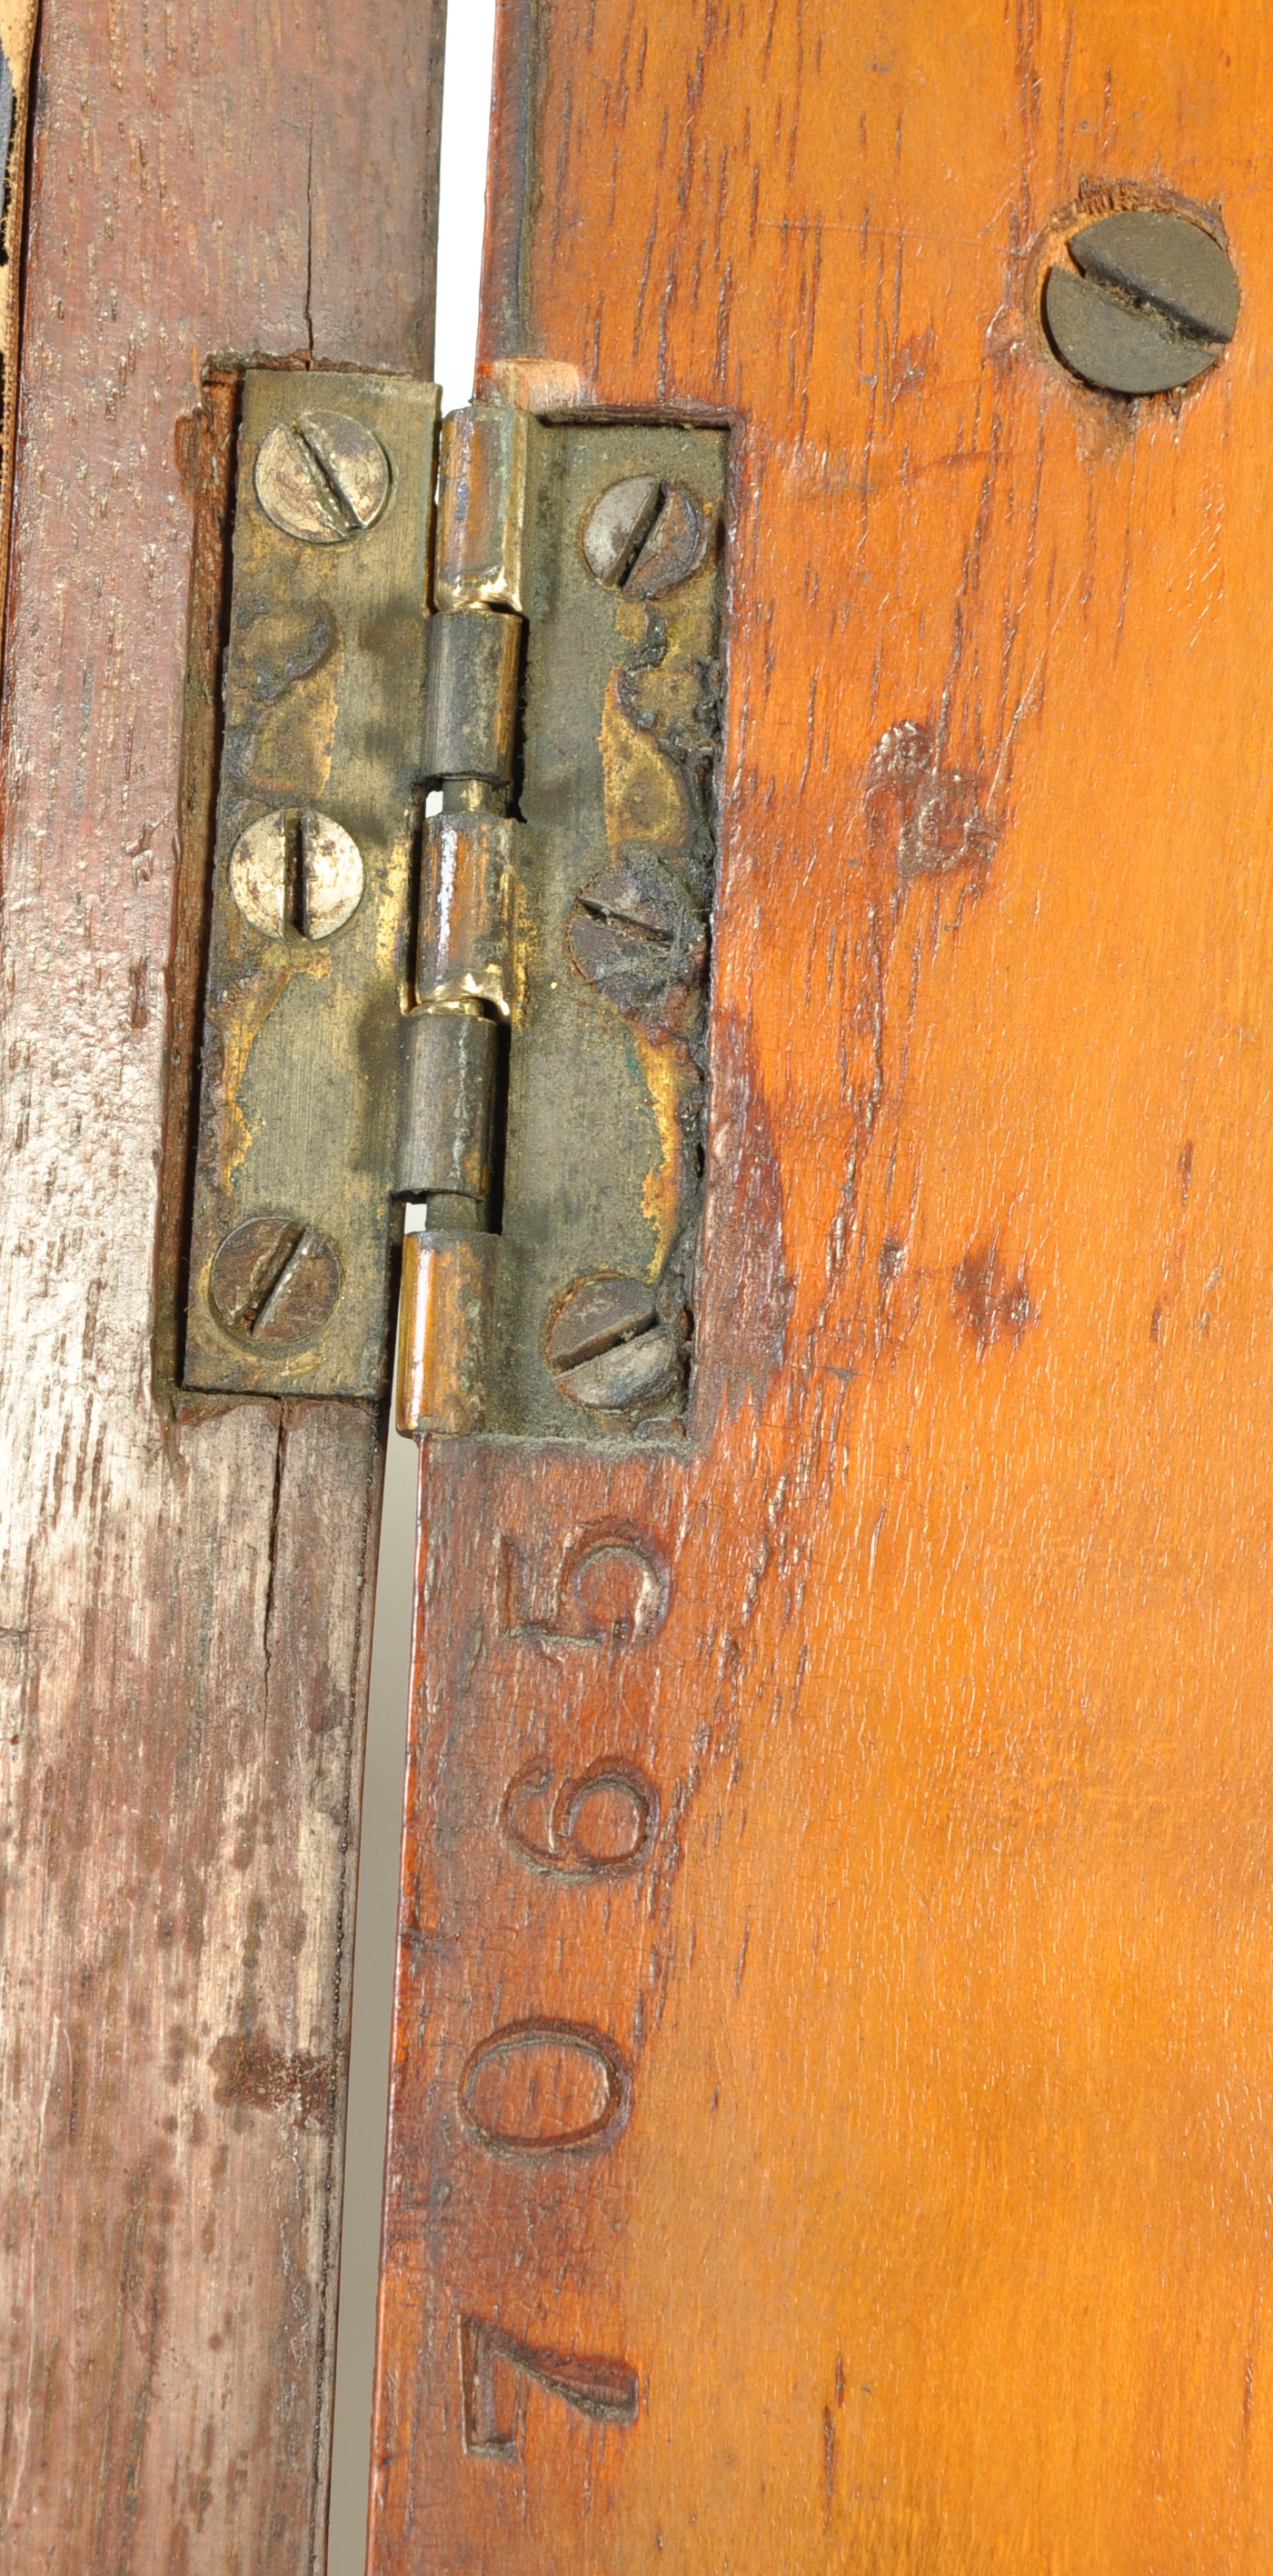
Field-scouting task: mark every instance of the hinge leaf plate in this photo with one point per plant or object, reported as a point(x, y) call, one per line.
point(608, 1056)
point(292, 1238)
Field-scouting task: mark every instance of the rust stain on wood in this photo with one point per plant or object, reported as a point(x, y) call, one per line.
point(254, 2074)
point(992, 1301)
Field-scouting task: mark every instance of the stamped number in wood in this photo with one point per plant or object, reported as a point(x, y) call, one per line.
point(599, 1825)
point(494, 2369)
point(548, 2087)
point(613, 1589)
point(545, 2088)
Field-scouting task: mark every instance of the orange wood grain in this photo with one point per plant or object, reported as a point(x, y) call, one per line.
point(940, 2233)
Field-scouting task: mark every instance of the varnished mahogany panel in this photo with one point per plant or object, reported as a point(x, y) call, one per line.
point(184, 1594)
point(935, 2232)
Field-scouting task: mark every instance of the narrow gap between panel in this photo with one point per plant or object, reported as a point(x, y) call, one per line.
point(466, 98)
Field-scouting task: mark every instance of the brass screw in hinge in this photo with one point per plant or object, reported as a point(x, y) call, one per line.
point(1150, 302)
point(296, 874)
point(607, 1348)
point(633, 932)
point(274, 1280)
point(644, 537)
point(323, 477)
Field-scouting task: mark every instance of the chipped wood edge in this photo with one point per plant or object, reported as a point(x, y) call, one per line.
point(18, 20)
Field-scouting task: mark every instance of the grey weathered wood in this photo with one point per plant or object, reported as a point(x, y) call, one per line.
point(185, 1597)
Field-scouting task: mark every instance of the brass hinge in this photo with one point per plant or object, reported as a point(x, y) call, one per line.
point(527, 773)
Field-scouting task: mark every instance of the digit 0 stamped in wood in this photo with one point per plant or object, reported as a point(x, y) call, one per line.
point(545, 2088)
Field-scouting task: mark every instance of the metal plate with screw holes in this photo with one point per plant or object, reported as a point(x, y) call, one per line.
point(298, 1105)
point(616, 862)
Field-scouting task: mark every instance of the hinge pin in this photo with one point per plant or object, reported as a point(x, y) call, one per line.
point(452, 1039)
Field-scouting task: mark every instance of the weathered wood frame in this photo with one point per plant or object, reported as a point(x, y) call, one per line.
point(185, 1591)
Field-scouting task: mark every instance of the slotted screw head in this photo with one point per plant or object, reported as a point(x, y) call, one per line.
point(608, 1350)
point(275, 1280)
point(635, 934)
point(1154, 302)
point(597, 1314)
point(296, 875)
point(323, 477)
point(644, 537)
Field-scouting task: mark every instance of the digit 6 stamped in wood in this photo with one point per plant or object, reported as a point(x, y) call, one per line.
point(601, 1824)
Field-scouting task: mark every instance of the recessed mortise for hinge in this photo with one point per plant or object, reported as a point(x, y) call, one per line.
point(461, 914)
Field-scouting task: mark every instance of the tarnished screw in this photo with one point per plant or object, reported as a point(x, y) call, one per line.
point(296, 874)
point(635, 935)
point(644, 536)
point(1154, 296)
point(607, 1348)
point(275, 1280)
point(322, 477)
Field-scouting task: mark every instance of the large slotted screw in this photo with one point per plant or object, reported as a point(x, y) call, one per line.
point(1149, 304)
point(275, 1280)
point(322, 477)
point(644, 537)
point(296, 875)
point(635, 935)
point(607, 1348)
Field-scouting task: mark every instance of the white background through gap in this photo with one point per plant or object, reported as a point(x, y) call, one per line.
point(466, 98)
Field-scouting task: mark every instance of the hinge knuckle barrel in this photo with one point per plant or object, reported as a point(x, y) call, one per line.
point(448, 1287)
point(465, 938)
point(470, 704)
point(482, 484)
point(446, 1105)
point(452, 1040)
